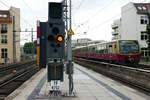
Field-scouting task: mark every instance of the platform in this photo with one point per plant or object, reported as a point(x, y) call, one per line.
point(88, 85)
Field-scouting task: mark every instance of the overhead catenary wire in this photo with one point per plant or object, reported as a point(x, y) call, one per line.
point(113, 17)
point(95, 14)
point(108, 20)
point(78, 7)
point(16, 13)
point(22, 19)
point(28, 6)
point(32, 10)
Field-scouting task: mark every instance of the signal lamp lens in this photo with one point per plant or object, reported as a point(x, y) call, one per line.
point(58, 45)
point(51, 38)
point(60, 38)
point(52, 45)
point(55, 30)
point(55, 50)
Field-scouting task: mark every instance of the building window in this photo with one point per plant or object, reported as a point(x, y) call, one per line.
point(144, 36)
point(4, 53)
point(4, 39)
point(144, 20)
point(4, 28)
point(144, 52)
point(3, 15)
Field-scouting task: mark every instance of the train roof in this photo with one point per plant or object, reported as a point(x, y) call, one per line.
point(90, 45)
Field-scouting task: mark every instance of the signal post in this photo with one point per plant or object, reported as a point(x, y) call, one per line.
point(55, 45)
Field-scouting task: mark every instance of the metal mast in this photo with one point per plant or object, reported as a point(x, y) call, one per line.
point(14, 40)
point(69, 48)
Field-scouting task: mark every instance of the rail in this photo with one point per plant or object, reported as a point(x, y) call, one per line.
point(12, 68)
point(136, 77)
point(14, 80)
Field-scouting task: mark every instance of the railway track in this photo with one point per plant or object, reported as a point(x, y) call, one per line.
point(16, 66)
point(135, 77)
point(146, 67)
point(14, 80)
point(138, 66)
point(12, 68)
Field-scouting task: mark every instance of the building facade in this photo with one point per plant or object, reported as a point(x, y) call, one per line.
point(132, 25)
point(9, 39)
point(116, 26)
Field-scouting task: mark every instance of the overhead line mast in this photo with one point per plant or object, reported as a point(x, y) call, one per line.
point(69, 48)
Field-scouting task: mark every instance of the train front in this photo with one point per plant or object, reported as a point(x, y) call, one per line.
point(129, 51)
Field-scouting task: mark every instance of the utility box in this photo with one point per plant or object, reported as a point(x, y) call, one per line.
point(55, 71)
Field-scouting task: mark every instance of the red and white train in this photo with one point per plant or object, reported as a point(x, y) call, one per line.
point(121, 51)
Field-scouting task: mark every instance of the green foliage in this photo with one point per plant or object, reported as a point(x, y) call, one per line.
point(29, 48)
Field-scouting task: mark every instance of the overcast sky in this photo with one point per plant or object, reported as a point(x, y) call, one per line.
point(91, 18)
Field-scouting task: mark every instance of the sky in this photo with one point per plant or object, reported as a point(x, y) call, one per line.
point(90, 18)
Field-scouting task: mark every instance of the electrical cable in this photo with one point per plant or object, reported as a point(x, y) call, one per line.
point(16, 13)
point(106, 21)
point(114, 17)
point(78, 7)
point(94, 15)
point(28, 6)
point(31, 10)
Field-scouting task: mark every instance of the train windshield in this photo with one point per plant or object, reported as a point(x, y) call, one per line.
point(129, 47)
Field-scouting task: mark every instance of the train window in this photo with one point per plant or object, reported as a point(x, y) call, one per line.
point(129, 47)
point(89, 49)
point(97, 51)
point(93, 48)
point(110, 45)
point(115, 46)
point(105, 51)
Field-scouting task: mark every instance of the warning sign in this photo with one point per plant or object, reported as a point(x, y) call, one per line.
point(70, 32)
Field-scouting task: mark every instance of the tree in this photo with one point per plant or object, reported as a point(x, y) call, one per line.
point(29, 48)
point(148, 40)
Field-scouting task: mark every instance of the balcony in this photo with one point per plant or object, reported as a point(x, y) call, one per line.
point(5, 20)
point(114, 26)
point(3, 31)
point(115, 33)
point(115, 38)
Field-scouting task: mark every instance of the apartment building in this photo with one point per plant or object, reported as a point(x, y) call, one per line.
point(132, 25)
point(9, 39)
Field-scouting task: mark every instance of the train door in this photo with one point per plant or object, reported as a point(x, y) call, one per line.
point(114, 47)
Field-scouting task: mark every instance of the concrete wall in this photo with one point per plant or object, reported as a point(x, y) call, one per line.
point(129, 22)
